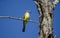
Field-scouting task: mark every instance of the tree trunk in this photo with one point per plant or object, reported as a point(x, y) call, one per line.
point(45, 10)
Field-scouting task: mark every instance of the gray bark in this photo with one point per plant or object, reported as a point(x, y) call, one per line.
point(45, 9)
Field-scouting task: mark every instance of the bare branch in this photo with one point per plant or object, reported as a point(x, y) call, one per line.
point(39, 9)
point(56, 2)
point(10, 17)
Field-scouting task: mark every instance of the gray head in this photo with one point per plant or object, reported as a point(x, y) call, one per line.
point(28, 11)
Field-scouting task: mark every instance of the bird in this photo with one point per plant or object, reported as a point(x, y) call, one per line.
point(25, 21)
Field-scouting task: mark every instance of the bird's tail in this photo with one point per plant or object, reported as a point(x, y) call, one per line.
point(24, 26)
point(23, 30)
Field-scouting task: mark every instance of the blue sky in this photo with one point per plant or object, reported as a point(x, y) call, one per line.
point(10, 28)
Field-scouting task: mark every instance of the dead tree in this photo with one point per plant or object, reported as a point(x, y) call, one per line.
point(45, 10)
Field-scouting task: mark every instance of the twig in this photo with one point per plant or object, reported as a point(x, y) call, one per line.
point(10, 17)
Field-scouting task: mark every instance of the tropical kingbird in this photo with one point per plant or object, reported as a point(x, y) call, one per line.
point(26, 18)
